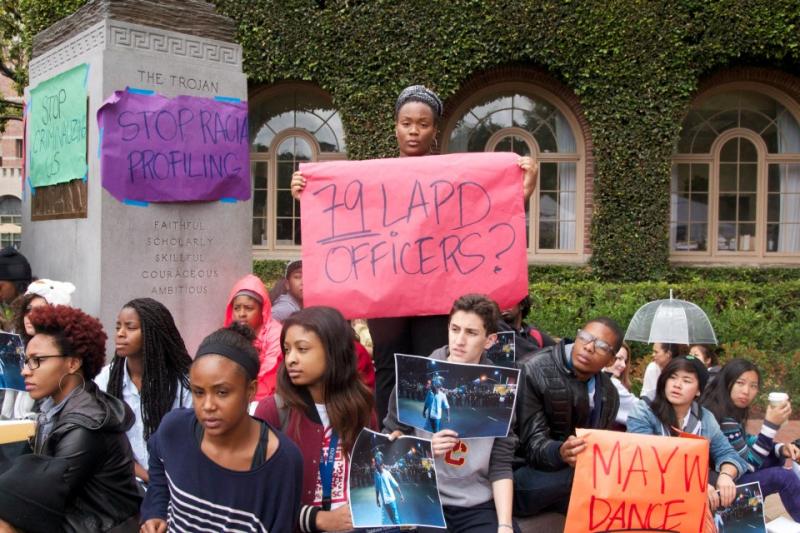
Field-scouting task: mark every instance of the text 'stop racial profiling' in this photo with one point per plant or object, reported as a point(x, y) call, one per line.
point(631, 482)
point(156, 149)
point(446, 225)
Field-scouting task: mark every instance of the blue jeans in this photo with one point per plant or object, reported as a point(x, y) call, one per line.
point(481, 518)
point(776, 479)
point(537, 491)
point(391, 512)
point(435, 423)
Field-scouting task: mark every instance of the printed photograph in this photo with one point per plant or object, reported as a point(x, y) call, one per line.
point(745, 514)
point(503, 352)
point(12, 356)
point(393, 483)
point(472, 400)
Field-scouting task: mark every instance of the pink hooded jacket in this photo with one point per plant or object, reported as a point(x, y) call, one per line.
point(268, 338)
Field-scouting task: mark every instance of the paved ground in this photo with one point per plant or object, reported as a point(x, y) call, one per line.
point(773, 508)
point(472, 421)
point(421, 505)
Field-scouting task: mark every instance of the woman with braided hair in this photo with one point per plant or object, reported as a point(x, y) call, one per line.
point(149, 371)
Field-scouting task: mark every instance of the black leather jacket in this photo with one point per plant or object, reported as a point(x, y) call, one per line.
point(552, 402)
point(89, 433)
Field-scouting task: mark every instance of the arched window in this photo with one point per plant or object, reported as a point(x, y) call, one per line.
point(10, 220)
point(528, 120)
point(736, 177)
point(289, 124)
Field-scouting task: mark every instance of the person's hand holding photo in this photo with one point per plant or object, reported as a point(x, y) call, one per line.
point(444, 441)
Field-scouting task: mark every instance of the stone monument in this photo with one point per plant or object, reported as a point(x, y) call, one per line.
point(186, 255)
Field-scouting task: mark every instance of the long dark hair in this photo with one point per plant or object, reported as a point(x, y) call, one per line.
point(21, 307)
point(661, 407)
point(348, 401)
point(717, 396)
point(166, 363)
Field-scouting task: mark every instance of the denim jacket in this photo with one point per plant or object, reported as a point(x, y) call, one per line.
point(643, 420)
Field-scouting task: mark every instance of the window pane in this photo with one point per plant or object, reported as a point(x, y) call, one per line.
point(285, 171)
point(259, 203)
point(699, 207)
point(726, 237)
point(549, 205)
point(747, 151)
point(547, 235)
point(773, 234)
point(548, 176)
point(730, 151)
point(773, 208)
point(774, 180)
point(505, 145)
point(727, 207)
point(748, 180)
point(260, 175)
point(747, 237)
point(284, 231)
point(285, 204)
point(747, 207)
point(699, 177)
point(698, 237)
point(683, 179)
point(727, 176)
point(259, 231)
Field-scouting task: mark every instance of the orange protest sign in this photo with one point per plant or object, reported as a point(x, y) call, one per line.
point(630, 482)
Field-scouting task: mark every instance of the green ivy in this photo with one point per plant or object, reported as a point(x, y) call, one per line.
point(634, 65)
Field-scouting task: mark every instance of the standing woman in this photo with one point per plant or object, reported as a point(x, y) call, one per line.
point(215, 468)
point(322, 404)
point(249, 305)
point(417, 117)
point(150, 371)
point(729, 397)
point(79, 423)
point(675, 407)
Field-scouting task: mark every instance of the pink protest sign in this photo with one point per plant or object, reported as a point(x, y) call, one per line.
point(407, 236)
point(184, 149)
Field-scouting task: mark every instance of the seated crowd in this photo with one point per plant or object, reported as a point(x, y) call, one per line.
point(255, 432)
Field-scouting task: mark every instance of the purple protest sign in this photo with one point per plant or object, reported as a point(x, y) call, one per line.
point(183, 149)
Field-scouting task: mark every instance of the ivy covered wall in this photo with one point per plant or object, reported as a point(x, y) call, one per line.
point(633, 64)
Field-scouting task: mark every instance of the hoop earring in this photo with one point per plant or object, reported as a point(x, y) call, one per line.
point(83, 381)
point(434, 146)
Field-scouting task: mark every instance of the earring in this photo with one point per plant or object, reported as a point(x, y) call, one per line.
point(83, 381)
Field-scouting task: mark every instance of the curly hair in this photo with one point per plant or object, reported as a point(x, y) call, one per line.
point(166, 363)
point(75, 333)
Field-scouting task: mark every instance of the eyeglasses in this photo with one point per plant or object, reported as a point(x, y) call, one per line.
point(35, 362)
point(600, 346)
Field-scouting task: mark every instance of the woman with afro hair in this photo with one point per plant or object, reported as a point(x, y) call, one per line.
point(79, 425)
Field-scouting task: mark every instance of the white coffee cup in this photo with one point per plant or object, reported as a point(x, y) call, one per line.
point(776, 399)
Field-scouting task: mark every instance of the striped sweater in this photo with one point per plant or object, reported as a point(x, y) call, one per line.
point(752, 448)
point(192, 493)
